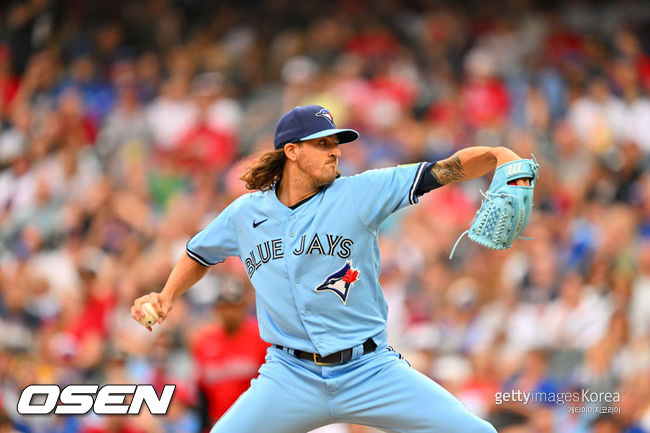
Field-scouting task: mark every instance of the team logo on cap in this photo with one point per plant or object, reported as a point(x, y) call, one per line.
point(340, 281)
point(325, 113)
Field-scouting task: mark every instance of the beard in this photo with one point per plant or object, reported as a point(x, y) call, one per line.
point(323, 175)
point(329, 178)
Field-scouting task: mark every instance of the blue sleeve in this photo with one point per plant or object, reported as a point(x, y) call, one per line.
point(216, 242)
point(378, 193)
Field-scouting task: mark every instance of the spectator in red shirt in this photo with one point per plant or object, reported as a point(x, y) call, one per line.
point(210, 143)
point(483, 97)
point(228, 353)
point(8, 81)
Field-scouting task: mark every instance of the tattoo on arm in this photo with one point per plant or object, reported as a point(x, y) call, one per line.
point(448, 170)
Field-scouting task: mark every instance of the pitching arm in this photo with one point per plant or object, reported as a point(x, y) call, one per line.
point(184, 275)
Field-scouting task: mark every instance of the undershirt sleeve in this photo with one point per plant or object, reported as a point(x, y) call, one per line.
point(427, 181)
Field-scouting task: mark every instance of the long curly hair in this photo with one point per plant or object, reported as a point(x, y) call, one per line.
point(265, 171)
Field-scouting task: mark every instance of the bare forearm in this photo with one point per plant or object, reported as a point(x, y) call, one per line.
point(185, 274)
point(470, 163)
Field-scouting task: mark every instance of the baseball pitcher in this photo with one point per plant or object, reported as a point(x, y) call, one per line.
point(308, 240)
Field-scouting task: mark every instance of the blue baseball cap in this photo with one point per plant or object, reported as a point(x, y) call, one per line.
point(307, 123)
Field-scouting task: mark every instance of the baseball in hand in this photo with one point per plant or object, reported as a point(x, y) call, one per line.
point(150, 316)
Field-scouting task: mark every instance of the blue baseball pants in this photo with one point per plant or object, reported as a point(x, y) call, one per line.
point(379, 389)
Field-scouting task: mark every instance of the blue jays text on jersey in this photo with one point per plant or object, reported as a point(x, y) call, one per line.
point(315, 268)
point(273, 250)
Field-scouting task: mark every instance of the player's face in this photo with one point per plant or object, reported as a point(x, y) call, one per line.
point(319, 159)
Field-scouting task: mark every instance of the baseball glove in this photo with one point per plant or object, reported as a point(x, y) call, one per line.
point(506, 208)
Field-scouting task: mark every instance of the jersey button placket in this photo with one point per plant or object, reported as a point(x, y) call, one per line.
point(291, 219)
point(307, 313)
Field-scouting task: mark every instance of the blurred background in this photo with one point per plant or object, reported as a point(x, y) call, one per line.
point(125, 126)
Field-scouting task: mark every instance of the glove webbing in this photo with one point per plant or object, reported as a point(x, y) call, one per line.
point(486, 196)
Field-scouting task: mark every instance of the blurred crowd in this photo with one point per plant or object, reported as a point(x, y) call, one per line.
point(125, 126)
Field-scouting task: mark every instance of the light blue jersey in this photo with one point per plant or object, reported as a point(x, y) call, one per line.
point(315, 268)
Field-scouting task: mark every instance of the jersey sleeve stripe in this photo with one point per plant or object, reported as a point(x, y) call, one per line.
point(416, 182)
point(200, 260)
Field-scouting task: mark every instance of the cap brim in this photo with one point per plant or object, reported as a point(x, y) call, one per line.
point(345, 135)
